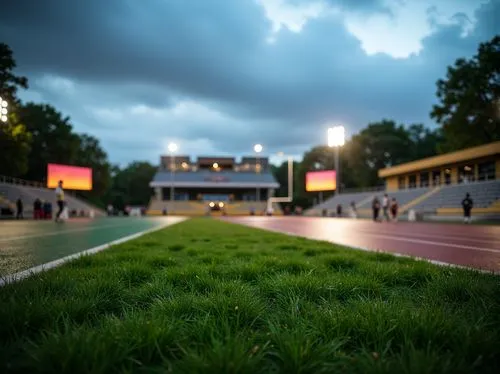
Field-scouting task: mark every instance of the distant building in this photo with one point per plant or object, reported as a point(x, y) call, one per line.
point(469, 165)
point(216, 182)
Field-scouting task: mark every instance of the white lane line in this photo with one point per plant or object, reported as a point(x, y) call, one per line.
point(418, 241)
point(62, 232)
point(424, 235)
point(441, 244)
point(50, 265)
point(366, 249)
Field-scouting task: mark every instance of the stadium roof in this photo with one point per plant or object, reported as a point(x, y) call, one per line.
point(452, 158)
point(210, 179)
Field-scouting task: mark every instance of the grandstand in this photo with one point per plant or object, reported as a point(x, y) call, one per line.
point(435, 186)
point(12, 189)
point(215, 185)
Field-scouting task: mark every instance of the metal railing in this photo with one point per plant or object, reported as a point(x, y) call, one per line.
point(12, 180)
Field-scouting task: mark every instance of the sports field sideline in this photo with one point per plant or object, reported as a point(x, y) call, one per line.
point(206, 296)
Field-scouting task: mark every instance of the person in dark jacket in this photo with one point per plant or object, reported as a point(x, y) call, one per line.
point(20, 208)
point(339, 210)
point(37, 209)
point(375, 208)
point(467, 205)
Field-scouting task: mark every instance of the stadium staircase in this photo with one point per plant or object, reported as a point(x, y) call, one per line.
point(9, 193)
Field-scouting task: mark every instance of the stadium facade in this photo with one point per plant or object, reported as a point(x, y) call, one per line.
point(474, 164)
point(182, 185)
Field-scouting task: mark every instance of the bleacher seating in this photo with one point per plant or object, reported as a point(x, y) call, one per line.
point(484, 194)
point(28, 194)
point(403, 197)
point(345, 199)
point(442, 200)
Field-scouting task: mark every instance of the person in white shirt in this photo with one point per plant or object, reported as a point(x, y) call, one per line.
point(60, 200)
point(385, 207)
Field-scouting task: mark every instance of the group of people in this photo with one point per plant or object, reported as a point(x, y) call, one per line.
point(43, 209)
point(389, 209)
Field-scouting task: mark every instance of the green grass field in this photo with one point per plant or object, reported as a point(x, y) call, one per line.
point(205, 296)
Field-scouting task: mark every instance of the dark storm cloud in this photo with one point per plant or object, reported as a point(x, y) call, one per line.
point(155, 52)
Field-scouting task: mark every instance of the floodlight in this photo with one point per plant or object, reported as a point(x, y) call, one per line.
point(257, 148)
point(172, 147)
point(336, 136)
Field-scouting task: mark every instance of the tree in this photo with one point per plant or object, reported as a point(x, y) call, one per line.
point(90, 154)
point(15, 147)
point(130, 186)
point(14, 137)
point(379, 145)
point(53, 140)
point(9, 82)
point(425, 142)
point(469, 106)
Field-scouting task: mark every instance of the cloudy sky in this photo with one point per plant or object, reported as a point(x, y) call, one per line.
point(217, 76)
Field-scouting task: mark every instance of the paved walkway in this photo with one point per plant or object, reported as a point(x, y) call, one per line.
point(25, 244)
point(473, 246)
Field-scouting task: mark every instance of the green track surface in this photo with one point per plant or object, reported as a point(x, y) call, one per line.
point(24, 244)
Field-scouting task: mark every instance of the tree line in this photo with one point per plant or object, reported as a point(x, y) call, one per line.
point(467, 113)
point(36, 134)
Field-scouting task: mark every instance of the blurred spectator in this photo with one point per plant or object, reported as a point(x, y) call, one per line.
point(37, 209)
point(20, 208)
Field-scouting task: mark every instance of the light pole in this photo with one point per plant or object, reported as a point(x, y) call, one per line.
point(257, 149)
point(172, 148)
point(3, 110)
point(336, 139)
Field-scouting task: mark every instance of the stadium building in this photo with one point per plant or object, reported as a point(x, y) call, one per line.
point(469, 165)
point(434, 187)
point(217, 184)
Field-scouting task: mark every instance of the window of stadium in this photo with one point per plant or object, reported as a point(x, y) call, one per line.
point(424, 179)
point(412, 181)
point(436, 177)
point(466, 174)
point(402, 183)
point(486, 171)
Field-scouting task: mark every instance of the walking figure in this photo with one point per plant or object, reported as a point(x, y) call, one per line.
point(467, 205)
point(20, 208)
point(385, 207)
point(375, 208)
point(60, 200)
point(394, 209)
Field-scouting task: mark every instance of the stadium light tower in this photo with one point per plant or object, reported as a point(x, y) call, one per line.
point(257, 149)
point(336, 139)
point(3, 110)
point(172, 148)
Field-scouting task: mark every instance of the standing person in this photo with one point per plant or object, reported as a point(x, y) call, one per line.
point(20, 208)
point(339, 210)
point(354, 213)
point(60, 200)
point(467, 205)
point(394, 209)
point(37, 209)
point(385, 207)
point(375, 208)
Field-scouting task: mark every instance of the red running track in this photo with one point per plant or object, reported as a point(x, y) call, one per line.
point(464, 245)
